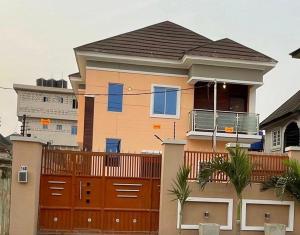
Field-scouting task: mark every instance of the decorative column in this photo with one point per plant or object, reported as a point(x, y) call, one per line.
point(172, 159)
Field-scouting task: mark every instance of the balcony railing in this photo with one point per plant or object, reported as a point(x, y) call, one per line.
point(227, 121)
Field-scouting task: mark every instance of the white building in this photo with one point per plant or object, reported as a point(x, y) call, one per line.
point(51, 112)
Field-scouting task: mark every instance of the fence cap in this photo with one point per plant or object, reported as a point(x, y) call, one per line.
point(234, 145)
point(174, 141)
point(27, 139)
point(292, 148)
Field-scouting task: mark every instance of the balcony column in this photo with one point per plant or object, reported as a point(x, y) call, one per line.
point(252, 99)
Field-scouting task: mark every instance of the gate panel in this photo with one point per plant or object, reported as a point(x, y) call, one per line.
point(99, 191)
point(87, 219)
point(127, 193)
point(56, 191)
point(88, 192)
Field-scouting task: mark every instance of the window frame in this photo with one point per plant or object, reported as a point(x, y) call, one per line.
point(178, 102)
point(109, 109)
point(74, 104)
point(278, 136)
point(59, 125)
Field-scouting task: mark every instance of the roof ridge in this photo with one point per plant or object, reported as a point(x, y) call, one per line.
point(146, 27)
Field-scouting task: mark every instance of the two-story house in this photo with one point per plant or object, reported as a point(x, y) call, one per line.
point(48, 112)
point(162, 81)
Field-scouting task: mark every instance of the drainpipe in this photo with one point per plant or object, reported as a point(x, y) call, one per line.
point(215, 117)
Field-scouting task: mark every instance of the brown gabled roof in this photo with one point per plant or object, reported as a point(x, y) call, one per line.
point(292, 105)
point(164, 40)
point(167, 40)
point(229, 49)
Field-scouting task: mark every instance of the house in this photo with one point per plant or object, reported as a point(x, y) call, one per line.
point(162, 81)
point(282, 126)
point(48, 111)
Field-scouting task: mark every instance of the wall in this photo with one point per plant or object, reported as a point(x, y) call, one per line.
point(56, 137)
point(193, 212)
point(25, 197)
point(281, 125)
point(240, 75)
point(134, 125)
point(214, 198)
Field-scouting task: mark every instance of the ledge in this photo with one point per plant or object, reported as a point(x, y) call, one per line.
point(27, 139)
point(174, 141)
point(241, 145)
point(292, 148)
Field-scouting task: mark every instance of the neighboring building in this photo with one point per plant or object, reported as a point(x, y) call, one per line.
point(296, 54)
point(5, 150)
point(51, 112)
point(282, 126)
point(173, 70)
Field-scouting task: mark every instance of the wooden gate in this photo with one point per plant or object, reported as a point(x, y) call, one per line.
point(99, 191)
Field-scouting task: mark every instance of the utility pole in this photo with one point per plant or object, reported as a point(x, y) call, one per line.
point(215, 117)
point(23, 127)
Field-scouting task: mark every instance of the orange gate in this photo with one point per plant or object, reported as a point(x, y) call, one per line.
point(99, 191)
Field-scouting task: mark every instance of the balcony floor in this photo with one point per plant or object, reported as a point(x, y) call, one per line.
point(230, 137)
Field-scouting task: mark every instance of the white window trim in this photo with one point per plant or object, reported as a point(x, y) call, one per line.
point(177, 116)
point(245, 227)
point(276, 147)
point(228, 201)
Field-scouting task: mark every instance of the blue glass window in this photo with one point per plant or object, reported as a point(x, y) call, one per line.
point(74, 130)
point(115, 97)
point(165, 100)
point(113, 145)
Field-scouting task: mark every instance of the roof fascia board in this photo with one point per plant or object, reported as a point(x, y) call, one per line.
point(194, 79)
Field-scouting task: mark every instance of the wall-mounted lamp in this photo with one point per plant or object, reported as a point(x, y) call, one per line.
point(267, 216)
point(224, 85)
point(206, 214)
point(129, 88)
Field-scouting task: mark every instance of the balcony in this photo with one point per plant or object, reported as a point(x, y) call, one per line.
point(231, 126)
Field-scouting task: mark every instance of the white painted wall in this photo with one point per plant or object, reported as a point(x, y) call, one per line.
point(31, 103)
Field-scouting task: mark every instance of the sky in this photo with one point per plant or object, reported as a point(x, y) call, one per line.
point(37, 38)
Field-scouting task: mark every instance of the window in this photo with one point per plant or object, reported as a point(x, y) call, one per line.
point(74, 104)
point(74, 130)
point(61, 100)
point(59, 127)
point(112, 146)
point(276, 140)
point(45, 99)
point(165, 101)
point(45, 127)
point(115, 97)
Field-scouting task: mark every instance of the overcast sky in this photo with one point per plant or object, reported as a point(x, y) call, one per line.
point(37, 37)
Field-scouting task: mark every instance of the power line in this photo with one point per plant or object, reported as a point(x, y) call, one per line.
point(130, 94)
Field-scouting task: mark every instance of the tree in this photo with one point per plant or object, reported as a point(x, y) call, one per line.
point(289, 182)
point(181, 190)
point(237, 167)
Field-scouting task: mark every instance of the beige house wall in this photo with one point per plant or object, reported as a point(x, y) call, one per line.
point(25, 197)
point(137, 132)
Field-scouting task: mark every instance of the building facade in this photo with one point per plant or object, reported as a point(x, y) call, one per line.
point(282, 126)
point(162, 81)
point(51, 112)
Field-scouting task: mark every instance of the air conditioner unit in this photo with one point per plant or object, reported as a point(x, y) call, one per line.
point(23, 175)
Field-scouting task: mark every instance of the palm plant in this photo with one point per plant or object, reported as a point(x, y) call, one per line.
point(289, 182)
point(181, 190)
point(237, 168)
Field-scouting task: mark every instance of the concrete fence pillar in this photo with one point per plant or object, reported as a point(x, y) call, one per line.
point(293, 152)
point(172, 159)
point(25, 196)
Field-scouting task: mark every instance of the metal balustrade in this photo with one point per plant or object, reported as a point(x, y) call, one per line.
point(227, 121)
